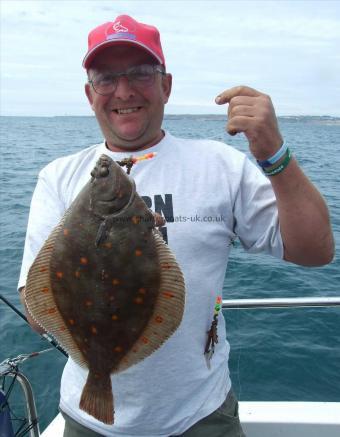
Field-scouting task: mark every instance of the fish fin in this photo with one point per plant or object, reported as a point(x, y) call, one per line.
point(40, 300)
point(97, 399)
point(168, 311)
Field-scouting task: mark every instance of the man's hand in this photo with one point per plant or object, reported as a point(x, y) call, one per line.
point(253, 113)
point(302, 211)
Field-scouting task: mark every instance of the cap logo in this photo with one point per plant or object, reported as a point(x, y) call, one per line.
point(117, 27)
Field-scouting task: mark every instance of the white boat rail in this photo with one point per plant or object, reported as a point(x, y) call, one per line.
point(288, 302)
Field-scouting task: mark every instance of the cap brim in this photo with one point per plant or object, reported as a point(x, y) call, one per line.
point(90, 55)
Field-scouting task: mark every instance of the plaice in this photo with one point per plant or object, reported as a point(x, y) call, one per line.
point(105, 284)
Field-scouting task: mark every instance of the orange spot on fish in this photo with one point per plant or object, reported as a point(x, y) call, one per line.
point(138, 252)
point(83, 260)
point(115, 281)
point(135, 350)
point(114, 317)
point(43, 269)
point(77, 274)
point(135, 220)
point(51, 310)
point(45, 289)
point(88, 303)
point(94, 330)
point(96, 376)
point(59, 275)
point(62, 328)
point(159, 319)
point(138, 300)
point(142, 290)
point(66, 232)
point(145, 340)
point(108, 245)
point(168, 294)
point(71, 321)
point(118, 349)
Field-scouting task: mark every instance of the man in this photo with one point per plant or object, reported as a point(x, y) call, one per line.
point(208, 192)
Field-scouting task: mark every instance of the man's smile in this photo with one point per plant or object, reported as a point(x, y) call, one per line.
point(123, 111)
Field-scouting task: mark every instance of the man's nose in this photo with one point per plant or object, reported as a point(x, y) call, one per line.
point(123, 90)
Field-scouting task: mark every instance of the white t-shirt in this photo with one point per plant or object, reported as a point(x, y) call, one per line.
point(207, 191)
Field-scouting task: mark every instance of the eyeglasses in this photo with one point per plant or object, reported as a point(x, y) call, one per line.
point(140, 77)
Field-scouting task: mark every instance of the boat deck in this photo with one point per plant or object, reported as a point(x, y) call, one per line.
point(270, 419)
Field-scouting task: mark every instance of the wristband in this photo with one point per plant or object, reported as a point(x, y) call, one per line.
point(278, 169)
point(275, 158)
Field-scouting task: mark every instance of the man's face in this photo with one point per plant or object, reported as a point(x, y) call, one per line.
point(140, 126)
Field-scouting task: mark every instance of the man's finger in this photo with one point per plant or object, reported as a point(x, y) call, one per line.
point(243, 100)
point(227, 95)
point(239, 124)
point(246, 110)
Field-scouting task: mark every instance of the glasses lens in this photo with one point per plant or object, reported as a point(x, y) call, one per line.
point(138, 77)
point(143, 75)
point(104, 84)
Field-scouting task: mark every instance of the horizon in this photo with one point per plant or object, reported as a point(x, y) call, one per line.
point(222, 116)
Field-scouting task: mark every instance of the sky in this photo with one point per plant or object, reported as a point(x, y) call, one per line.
point(287, 49)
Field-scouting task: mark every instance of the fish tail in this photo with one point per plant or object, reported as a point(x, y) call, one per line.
point(97, 399)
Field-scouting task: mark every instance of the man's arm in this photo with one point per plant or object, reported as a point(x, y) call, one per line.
point(304, 219)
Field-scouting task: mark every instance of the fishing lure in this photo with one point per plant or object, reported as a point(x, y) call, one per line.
point(129, 162)
point(212, 333)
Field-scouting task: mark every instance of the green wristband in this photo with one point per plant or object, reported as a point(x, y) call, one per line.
point(276, 170)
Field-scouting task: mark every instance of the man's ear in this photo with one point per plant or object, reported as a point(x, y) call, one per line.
point(89, 94)
point(166, 86)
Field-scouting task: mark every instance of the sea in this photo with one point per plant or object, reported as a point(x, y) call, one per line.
point(276, 354)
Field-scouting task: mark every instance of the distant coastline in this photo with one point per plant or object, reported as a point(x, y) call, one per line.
point(193, 116)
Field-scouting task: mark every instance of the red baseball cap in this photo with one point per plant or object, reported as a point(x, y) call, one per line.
point(124, 30)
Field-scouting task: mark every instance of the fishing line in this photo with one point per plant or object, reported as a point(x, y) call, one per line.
point(20, 314)
point(44, 336)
